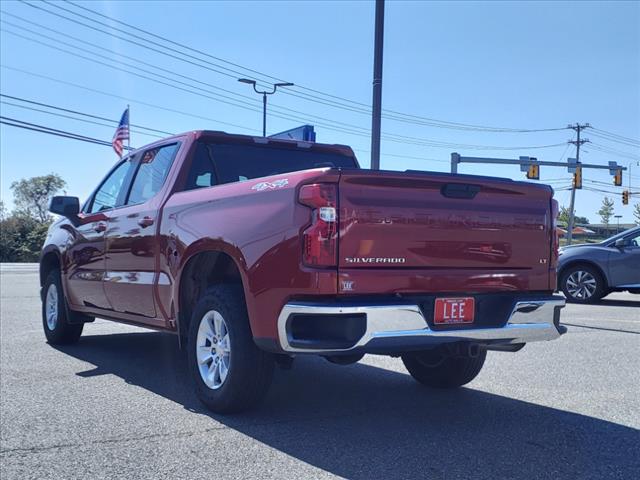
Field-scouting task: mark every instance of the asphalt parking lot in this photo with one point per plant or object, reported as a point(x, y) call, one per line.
point(118, 404)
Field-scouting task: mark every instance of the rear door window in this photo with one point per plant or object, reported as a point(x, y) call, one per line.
point(154, 165)
point(235, 163)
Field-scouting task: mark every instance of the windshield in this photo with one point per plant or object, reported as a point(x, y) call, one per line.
point(235, 163)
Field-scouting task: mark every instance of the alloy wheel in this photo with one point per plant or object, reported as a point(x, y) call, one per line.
point(581, 285)
point(51, 306)
point(213, 349)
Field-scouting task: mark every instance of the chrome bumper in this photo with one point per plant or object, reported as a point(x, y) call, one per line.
point(529, 321)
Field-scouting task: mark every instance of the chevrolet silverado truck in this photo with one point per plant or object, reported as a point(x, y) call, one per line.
point(254, 250)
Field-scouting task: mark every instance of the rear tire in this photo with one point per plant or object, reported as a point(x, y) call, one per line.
point(229, 372)
point(55, 318)
point(582, 284)
point(433, 369)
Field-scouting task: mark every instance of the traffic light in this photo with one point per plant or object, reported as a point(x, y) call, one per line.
point(533, 172)
point(625, 197)
point(617, 178)
point(577, 177)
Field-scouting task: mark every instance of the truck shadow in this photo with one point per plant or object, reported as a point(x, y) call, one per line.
point(364, 422)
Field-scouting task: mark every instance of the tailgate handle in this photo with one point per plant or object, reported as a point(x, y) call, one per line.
point(459, 190)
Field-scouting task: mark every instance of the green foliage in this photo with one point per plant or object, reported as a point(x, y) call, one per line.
point(21, 238)
point(23, 232)
point(606, 210)
point(563, 217)
point(32, 195)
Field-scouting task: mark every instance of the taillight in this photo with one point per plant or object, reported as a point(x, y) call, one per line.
point(555, 238)
point(321, 237)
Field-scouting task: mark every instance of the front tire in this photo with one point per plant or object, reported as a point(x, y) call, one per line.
point(582, 284)
point(230, 374)
point(435, 369)
point(55, 319)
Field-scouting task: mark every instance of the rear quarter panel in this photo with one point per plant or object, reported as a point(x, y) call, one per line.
point(259, 228)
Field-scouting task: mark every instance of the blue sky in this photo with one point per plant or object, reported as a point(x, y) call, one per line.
point(517, 65)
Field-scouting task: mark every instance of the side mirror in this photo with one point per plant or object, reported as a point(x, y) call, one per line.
point(620, 243)
point(66, 206)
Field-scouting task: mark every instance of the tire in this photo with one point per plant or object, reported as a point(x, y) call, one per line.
point(433, 369)
point(229, 375)
point(55, 315)
point(582, 284)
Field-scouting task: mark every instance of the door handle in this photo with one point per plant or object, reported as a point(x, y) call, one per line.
point(145, 222)
point(100, 227)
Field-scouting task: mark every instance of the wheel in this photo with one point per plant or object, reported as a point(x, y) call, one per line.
point(435, 369)
point(582, 284)
point(55, 319)
point(230, 373)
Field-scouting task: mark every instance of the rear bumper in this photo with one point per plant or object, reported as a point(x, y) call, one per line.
point(388, 328)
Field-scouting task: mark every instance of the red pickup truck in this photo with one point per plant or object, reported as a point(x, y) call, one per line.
point(254, 250)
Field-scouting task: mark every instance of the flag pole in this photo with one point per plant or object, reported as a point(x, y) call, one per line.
point(128, 128)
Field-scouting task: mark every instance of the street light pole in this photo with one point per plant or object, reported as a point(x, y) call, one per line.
point(264, 94)
point(618, 228)
point(264, 113)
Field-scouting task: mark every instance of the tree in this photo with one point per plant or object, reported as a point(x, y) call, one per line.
point(563, 217)
point(21, 238)
point(606, 210)
point(32, 195)
point(636, 213)
point(3, 211)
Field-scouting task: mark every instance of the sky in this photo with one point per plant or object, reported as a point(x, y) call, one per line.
point(511, 65)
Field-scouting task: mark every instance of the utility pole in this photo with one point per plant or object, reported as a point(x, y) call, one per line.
point(377, 86)
point(578, 128)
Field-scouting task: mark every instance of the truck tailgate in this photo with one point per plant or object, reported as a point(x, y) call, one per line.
point(406, 232)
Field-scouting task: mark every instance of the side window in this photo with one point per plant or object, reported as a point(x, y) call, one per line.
point(201, 174)
point(151, 174)
point(107, 195)
point(633, 241)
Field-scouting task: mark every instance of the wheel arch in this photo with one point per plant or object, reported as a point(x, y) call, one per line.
point(581, 261)
point(49, 260)
point(201, 270)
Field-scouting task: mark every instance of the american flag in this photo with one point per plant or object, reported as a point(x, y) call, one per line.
point(122, 133)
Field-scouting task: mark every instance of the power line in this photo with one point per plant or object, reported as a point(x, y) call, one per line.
point(615, 135)
point(345, 127)
point(615, 140)
point(61, 115)
point(613, 151)
point(52, 131)
point(128, 99)
point(33, 102)
point(75, 112)
point(393, 115)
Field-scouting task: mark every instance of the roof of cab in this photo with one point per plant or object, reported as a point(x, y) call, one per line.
point(258, 140)
point(250, 140)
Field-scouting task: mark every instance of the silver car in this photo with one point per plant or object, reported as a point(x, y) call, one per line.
point(586, 273)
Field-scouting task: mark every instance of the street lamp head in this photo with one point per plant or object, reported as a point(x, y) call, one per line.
point(287, 84)
point(247, 80)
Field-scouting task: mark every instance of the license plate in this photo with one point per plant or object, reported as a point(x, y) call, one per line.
point(454, 311)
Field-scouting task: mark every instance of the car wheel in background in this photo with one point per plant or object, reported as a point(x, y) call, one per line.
point(582, 284)
point(55, 319)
